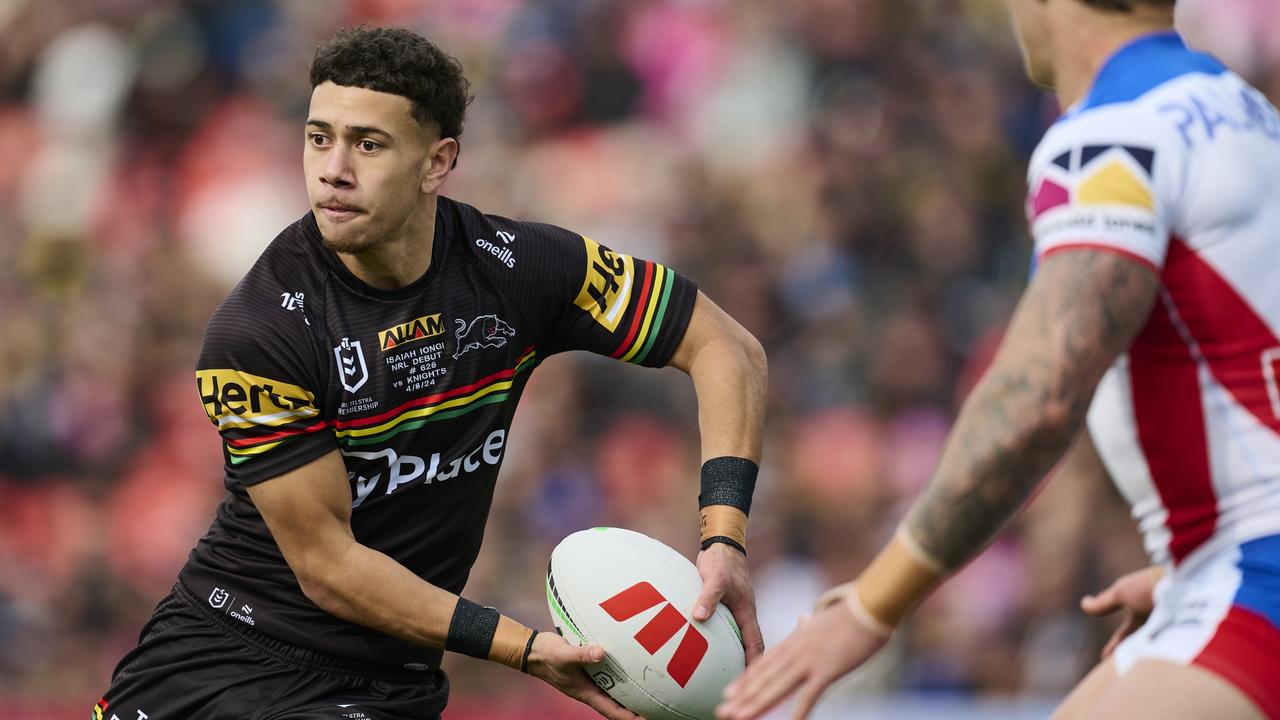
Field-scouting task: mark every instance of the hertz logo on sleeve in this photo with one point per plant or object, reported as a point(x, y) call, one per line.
point(237, 399)
point(606, 290)
point(421, 328)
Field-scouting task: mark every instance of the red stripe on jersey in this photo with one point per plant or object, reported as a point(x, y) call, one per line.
point(1245, 651)
point(431, 399)
point(649, 272)
point(1105, 248)
point(1231, 335)
point(1170, 419)
point(261, 439)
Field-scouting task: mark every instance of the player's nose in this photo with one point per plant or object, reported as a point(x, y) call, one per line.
point(337, 170)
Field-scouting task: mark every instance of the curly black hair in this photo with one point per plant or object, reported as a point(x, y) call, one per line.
point(400, 62)
point(1127, 5)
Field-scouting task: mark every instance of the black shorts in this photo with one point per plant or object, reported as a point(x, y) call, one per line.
point(196, 664)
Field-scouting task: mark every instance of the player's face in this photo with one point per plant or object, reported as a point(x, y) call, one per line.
point(1030, 24)
point(366, 162)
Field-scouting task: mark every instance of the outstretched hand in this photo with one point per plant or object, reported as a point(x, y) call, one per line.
point(828, 645)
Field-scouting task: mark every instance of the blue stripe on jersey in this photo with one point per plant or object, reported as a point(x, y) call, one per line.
point(1144, 64)
point(1260, 578)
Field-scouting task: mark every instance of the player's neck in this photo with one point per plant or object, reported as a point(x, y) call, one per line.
point(402, 259)
point(1086, 39)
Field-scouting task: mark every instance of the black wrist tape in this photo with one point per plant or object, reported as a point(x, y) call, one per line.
point(471, 630)
point(726, 540)
point(728, 481)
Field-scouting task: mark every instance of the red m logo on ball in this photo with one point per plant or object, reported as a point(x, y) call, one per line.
point(658, 631)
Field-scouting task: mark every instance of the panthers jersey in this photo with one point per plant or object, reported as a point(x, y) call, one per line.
point(1174, 161)
point(416, 388)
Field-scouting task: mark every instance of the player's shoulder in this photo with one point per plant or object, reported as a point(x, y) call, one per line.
point(511, 248)
point(1145, 69)
point(1129, 101)
point(285, 284)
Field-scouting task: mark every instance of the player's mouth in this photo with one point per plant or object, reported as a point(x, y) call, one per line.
point(339, 212)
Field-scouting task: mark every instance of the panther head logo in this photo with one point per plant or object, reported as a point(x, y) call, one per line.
point(486, 331)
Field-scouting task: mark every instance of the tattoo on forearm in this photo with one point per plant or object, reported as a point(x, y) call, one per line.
point(1082, 310)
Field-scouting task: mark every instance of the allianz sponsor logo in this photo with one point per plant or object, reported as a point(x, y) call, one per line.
point(402, 470)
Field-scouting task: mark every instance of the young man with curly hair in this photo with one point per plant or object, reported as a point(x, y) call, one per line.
point(363, 376)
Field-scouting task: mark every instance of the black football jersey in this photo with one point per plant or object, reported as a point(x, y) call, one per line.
point(416, 387)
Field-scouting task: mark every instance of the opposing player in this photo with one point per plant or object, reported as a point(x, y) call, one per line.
point(363, 376)
point(1155, 205)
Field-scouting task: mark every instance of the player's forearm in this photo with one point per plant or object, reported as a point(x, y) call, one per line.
point(1007, 437)
point(366, 587)
point(1083, 310)
point(730, 377)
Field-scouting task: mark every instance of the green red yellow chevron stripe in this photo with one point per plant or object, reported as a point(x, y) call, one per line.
point(242, 449)
point(646, 322)
point(414, 414)
point(494, 388)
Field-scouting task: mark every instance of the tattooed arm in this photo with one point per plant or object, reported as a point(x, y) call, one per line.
point(1083, 308)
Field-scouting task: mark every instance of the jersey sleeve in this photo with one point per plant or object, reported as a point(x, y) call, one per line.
point(609, 303)
point(259, 391)
point(1106, 180)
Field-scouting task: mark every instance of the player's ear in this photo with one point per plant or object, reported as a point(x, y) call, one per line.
point(441, 157)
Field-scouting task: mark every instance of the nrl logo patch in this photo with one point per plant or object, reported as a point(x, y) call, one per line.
point(351, 368)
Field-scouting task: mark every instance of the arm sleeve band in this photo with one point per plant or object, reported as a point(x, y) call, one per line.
point(897, 580)
point(472, 628)
point(728, 481)
point(511, 644)
point(727, 486)
point(483, 632)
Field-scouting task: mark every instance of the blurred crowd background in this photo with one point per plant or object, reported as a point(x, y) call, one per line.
point(845, 177)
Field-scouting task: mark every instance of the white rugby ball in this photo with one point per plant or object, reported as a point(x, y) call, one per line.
point(634, 597)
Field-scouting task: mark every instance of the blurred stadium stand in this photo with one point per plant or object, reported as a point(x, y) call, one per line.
point(843, 176)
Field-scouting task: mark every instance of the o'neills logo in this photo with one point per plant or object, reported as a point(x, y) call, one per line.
point(504, 254)
point(414, 330)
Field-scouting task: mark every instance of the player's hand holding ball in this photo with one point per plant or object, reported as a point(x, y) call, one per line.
point(723, 570)
point(559, 664)
point(622, 600)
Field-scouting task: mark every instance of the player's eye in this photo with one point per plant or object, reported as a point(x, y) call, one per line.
point(368, 145)
point(318, 139)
